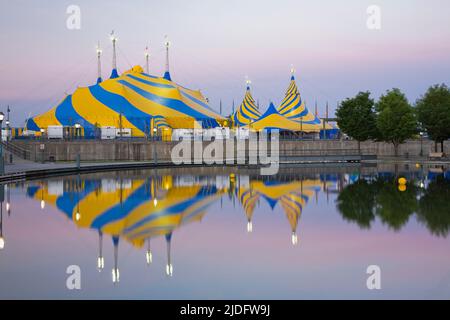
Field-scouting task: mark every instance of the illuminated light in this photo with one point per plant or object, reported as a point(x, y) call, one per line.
point(77, 125)
point(402, 181)
point(7, 206)
point(422, 185)
point(42, 204)
point(155, 202)
point(154, 129)
point(149, 257)
point(402, 187)
point(166, 42)
point(2, 243)
point(100, 263)
point(249, 226)
point(77, 216)
point(115, 275)
point(417, 165)
point(169, 270)
point(294, 239)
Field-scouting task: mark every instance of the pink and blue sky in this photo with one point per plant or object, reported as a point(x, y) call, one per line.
point(215, 44)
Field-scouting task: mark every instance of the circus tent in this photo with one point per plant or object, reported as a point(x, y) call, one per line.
point(247, 112)
point(273, 120)
point(294, 108)
point(130, 100)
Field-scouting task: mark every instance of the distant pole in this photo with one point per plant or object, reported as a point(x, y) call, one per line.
point(147, 56)
point(315, 110)
point(2, 164)
point(120, 124)
point(99, 63)
point(220, 106)
point(8, 110)
point(167, 45)
point(114, 40)
point(232, 107)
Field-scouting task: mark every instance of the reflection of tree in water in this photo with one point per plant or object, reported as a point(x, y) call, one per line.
point(394, 207)
point(434, 207)
point(364, 200)
point(356, 203)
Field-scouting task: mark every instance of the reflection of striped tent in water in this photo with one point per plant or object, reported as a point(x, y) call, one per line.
point(248, 111)
point(292, 196)
point(248, 198)
point(137, 212)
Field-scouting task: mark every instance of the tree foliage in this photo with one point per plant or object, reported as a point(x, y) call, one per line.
point(396, 120)
point(433, 112)
point(356, 117)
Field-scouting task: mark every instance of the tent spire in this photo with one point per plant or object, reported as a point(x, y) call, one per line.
point(99, 63)
point(292, 72)
point(315, 109)
point(167, 45)
point(247, 82)
point(147, 56)
point(114, 73)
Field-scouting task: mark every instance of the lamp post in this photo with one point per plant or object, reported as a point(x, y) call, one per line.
point(421, 143)
point(2, 163)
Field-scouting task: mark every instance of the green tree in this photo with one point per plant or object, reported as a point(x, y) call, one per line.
point(433, 111)
point(356, 117)
point(396, 119)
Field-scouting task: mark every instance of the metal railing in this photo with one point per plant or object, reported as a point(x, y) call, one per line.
point(16, 150)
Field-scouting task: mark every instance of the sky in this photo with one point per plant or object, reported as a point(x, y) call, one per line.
point(216, 44)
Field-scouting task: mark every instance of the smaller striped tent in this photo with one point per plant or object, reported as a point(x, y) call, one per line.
point(273, 120)
point(247, 112)
point(294, 108)
point(162, 127)
point(161, 123)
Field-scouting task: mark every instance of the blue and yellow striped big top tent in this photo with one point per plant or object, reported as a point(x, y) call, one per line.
point(134, 100)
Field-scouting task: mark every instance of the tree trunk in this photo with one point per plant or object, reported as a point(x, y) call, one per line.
point(396, 149)
point(442, 146)
point(435, 146)
point(359, 147)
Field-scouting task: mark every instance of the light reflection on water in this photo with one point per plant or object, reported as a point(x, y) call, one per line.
point(305, 233)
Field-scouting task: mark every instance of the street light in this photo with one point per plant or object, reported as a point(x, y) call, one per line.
point(421, 143)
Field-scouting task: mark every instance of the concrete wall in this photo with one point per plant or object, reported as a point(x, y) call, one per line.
point(95, 150)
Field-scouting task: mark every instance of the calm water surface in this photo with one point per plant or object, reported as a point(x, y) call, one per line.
point(175, 234)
